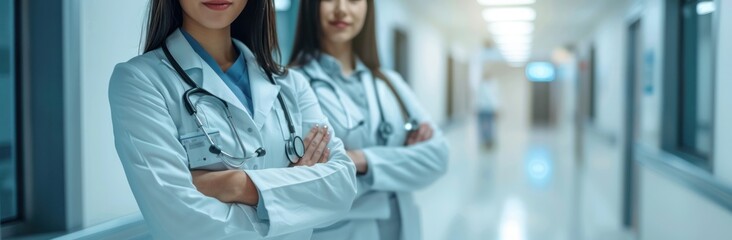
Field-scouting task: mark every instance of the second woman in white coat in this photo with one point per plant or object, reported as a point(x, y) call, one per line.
point(371, 110)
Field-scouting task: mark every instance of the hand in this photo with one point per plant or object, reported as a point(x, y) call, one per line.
point(423, 133)
point(359, 159)
point(316, 150)
point(229, 186)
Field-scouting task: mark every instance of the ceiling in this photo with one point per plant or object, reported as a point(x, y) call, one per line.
point(558, 22)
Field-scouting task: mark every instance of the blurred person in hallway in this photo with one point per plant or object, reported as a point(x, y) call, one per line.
point(395, 147)
point(193, 115)
point(488, 110)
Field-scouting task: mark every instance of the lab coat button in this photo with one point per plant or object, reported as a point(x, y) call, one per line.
point(255, 167)
point(249, 130)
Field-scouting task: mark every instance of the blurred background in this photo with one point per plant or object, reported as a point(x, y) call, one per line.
point(567, 119)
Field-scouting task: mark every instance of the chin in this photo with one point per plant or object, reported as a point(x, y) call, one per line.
point(217, 23)
point(341, 37)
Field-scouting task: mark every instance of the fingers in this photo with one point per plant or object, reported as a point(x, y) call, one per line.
point(423, 133)
point(316, 146)
point(312, 145)
point(412, 138)
point(309, 138)
point(320, 151)
point(325, 157)
point(427, 133)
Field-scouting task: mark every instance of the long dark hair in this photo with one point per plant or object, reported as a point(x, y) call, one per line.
point(308, 41)
point(255, 27)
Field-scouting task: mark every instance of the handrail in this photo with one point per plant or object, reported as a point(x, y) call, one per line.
point(685, 173)
point(128, 227)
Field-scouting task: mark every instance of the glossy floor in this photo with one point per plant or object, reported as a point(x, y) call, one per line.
point(527, 186)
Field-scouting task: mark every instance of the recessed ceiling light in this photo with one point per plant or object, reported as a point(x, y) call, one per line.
point(511, 28)
point(505, 2)
point(509, 14)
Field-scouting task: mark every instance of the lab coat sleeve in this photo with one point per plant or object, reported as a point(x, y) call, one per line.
point(308, 197)
point(407, 168)
point(155, 164)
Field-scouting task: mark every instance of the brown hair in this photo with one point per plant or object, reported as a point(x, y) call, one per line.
point(255, 27)
point(308, 42)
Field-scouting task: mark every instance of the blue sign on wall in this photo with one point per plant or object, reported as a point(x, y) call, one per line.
point(540, 72)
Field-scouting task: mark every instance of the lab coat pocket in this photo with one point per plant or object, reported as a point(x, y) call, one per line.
point(197, 146)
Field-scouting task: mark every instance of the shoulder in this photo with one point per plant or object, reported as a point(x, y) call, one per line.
point(137, 74)
point(293, 80)
point(143, 66)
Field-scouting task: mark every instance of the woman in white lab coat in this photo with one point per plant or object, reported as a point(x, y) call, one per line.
point(243, 120)
point(388, 135)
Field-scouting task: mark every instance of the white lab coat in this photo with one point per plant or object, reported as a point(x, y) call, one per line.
point(394, 169)
point(149, 117)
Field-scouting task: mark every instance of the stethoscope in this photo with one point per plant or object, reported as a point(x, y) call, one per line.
point(384, 129)
point(294, 145)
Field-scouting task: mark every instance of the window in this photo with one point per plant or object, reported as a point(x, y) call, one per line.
point(689, 77)
point(696, 83)
point(9, 164)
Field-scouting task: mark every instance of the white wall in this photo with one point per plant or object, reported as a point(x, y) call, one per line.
point(650, 107)
point(723, 121)
point(602, 140)
point(609, 39)
point(427, 53)
point(667, 208)
point(110, 33)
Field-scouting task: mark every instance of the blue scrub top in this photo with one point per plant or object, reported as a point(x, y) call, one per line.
point(236, 77)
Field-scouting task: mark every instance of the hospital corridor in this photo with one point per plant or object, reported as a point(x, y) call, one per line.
point(366, 119)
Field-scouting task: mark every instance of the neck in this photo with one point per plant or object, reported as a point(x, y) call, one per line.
point(216, 42)
point(343, 52)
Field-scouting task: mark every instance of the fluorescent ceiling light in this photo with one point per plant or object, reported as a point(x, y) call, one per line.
point(505, 2)
point(518, 39)
point(509, 14)
point(511, 28)
point(703, 8)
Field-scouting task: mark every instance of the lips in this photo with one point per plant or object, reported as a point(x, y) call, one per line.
point(339, 24)
point(217, 4)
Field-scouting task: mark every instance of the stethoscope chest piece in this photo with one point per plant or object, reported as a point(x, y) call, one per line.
point(411, 125)
point(295, 149)
point(385, 129)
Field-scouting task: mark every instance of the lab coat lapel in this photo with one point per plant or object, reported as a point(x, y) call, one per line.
point(264, 92)
point(188, 59)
